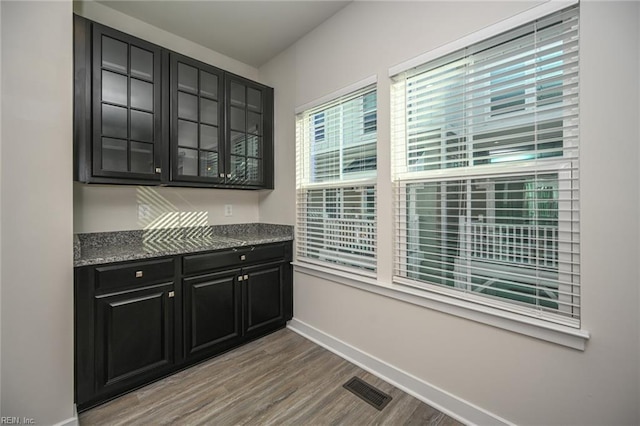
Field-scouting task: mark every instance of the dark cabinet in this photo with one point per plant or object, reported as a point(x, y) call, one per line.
point(118, 106)
point(146, 115)
point(197, 121)
point(249, 157)
point(244, 293)
point(125, 335)
point(212, 313)
point(134, 335)
point(264, 296)
point(141, 320)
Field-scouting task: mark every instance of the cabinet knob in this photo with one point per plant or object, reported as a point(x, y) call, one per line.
point(158, 170)
point(243, 257)
point(171, 294)
point(222, 175)
point(240, 278)
point(228, 175)
point(139, 274)
point(246, 277)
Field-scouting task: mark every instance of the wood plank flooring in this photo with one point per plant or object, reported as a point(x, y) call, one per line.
point(281, 379)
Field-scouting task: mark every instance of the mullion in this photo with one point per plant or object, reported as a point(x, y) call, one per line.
point(128, 74)
point(199, 114)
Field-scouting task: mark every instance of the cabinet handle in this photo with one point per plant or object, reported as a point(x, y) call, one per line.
point(246, 277)
point(171, 294)
point(240, 278)
point(243, 257)
point(139, 274)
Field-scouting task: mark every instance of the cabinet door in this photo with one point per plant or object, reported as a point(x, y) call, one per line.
point(197, 148)
point(126, 81)
point(249, 132)
point(134, 336)
point(264, 303)
point(212, 312)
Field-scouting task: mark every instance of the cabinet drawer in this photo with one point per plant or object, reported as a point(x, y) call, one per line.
point(231, 258)
point(134, 273)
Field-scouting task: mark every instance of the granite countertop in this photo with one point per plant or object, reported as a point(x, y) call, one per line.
point(107, 247)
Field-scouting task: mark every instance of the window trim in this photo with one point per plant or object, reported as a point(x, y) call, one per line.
point(570, 337)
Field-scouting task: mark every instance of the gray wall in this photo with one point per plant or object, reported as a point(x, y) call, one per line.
point(36, 195)
point(518, 378)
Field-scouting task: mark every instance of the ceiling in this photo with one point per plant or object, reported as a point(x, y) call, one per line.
point(252, 32)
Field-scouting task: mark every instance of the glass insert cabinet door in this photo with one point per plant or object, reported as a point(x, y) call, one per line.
point(248, 112)
point(126, 106)
point(197, 149)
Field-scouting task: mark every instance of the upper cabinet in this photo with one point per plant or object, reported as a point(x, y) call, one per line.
point(144, 115)
point(197, 121)
point(249, 128)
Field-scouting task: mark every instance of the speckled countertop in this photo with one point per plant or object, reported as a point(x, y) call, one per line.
point(107, 247)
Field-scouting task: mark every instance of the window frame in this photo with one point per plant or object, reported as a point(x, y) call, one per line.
point(358, 245)
point(442, 172)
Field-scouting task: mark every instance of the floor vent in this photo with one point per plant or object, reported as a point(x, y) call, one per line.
point(367, 392)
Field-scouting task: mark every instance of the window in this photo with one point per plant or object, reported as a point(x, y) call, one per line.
point(485, 171)
point(336, 189)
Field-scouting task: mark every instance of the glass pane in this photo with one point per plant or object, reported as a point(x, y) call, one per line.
point(254, 99)
point(208, 84)
point(187, 77)
point(114, 154)
point(114, 54)
point(208, 137)
point(208, 111)
point(114, 88)
point(141, 63)
point(253, 146)
point(237, 119)
point(237, 143)
point(114, 121)
point(187, 106)
point(253, 169)
point(141, 157)
point(141, 95)
point(237, 95)
point(208, 163)
point(141, 126)
point(187, 134)
point(237, 167)
point(254, 124)
point(187, 162)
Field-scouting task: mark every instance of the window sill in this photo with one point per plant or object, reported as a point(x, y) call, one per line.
point(554, 333)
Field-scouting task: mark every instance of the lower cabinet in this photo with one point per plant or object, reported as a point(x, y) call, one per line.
point(134, 335)
point(138, 321)
point(212, 313)
point(264, 297)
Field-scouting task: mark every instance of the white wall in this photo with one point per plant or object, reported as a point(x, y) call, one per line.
point(115, 208)
point(515, 377)
point(0, 211)
point(36, 196)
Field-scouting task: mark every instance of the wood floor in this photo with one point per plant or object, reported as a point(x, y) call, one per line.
point(281, 379)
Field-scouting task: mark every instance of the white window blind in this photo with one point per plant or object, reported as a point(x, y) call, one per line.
point(485, 169)
point(335, 180)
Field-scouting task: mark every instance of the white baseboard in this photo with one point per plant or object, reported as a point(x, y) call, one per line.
point(439, 399)
point(73, 421)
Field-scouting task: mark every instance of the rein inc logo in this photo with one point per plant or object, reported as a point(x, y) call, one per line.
point(17, 421)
